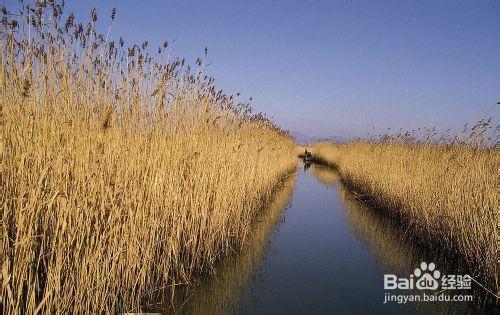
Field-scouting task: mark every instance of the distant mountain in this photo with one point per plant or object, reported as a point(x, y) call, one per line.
point(339, 139)
point(304, 139)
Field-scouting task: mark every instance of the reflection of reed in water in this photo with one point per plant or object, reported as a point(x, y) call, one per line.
point(325, 175)
point(231, 280)
point(386, 243)
point(394, 251)
point(392, 247)
point(379, 236)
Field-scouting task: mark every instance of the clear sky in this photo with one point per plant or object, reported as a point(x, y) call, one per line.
point(334, 68)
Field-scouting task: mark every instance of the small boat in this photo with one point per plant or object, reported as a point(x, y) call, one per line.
point(306, 156)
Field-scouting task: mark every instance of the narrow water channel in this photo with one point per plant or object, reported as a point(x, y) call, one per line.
point(317, 249)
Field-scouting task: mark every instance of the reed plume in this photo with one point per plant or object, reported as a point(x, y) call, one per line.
point(122, 171)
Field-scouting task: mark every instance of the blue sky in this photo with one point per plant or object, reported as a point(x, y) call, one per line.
point(326, 68)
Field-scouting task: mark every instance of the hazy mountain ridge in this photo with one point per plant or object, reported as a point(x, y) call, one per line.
point(304, 139)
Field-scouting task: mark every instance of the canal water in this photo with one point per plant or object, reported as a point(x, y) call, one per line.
point(316, 249)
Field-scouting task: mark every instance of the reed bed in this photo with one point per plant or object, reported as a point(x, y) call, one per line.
point(444, 190)
point(123, 171)
point(232, 281)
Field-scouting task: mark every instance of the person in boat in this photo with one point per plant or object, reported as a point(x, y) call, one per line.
point(307, 153)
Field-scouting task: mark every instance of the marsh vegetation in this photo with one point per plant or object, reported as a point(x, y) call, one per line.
point(443, 189)
point(129, 181)
point(123, 171)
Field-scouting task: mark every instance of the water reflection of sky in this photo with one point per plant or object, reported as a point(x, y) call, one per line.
point(326, 254)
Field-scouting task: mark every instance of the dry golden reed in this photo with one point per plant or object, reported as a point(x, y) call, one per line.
point(122, 172)
point(447, 193)
point(233, 278)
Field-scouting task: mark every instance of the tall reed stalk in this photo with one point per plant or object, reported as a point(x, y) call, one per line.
point(122, 171)
point(446, 191)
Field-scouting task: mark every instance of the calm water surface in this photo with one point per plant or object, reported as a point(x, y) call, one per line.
point(316, 249)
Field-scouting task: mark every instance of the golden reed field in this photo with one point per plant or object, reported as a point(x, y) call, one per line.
point(123, 172)
point(221, 294)
point(446, 193)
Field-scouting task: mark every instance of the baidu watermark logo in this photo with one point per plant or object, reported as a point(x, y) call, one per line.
point(430, 281)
